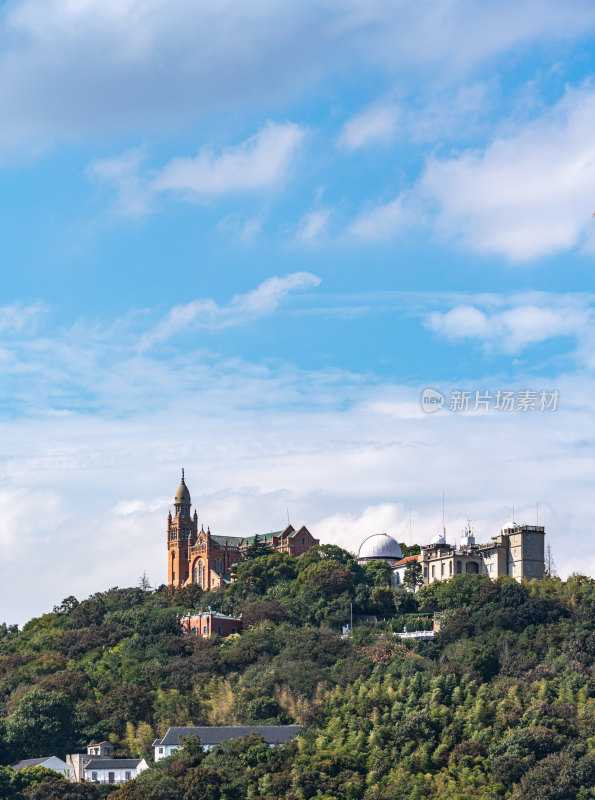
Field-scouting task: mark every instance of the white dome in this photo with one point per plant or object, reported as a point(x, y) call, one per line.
point(509, 525)
point(379, 546)
point(438, 539)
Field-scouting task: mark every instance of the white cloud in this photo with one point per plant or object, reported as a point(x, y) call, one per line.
point(313, 225)
point(374, 126)
point(530, 192)
point(81, 70)
point(17, 316)
point(261, 162)
point(384, 221)
point(241, 309)
point(123, 173)
point(515, 328)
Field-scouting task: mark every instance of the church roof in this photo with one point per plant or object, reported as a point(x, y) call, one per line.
point(230, 541)
point(183, 494)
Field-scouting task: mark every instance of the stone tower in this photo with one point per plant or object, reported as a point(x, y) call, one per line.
point(181, 535)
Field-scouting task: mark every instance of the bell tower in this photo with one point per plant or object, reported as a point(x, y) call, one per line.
point(181, 535)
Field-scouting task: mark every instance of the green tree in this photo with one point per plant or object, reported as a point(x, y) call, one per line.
point(41, 724)
point(256, 549)
point(378, 573)
point(413, 576)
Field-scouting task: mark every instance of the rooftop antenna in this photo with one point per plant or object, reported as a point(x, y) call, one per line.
point(537, 515)
point(443, 523)
point(288, 516)
point(182, 474)
point(513, 519)
point(410, 526)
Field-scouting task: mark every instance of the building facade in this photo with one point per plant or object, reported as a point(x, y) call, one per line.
point(211, 736)
point(210, 623)
point(517, 551)
point(200, 557)
point(113, 770)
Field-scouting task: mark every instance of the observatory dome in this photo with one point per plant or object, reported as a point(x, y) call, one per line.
point(379, 547)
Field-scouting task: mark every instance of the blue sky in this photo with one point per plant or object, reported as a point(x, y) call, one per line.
point(243, 238)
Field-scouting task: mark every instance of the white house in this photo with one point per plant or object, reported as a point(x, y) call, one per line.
point(210, 736)
point(49, 762)
point(113, 770)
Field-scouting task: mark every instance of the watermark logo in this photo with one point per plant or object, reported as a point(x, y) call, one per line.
point(477, 400)
point(432, 400)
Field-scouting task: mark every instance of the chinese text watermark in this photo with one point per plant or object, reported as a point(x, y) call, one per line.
point(502, 400)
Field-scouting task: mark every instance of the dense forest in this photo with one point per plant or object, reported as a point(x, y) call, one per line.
point(500, 705)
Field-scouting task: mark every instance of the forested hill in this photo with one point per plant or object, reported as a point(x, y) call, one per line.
point(500, 705)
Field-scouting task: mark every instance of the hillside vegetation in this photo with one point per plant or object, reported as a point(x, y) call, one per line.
point(500, 705)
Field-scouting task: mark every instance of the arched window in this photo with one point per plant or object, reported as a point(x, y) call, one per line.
point(198, 574)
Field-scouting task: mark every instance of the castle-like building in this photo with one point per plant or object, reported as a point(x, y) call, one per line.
point(200, 557)
point(517, 551)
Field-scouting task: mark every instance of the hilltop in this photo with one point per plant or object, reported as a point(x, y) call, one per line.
point(499, 705)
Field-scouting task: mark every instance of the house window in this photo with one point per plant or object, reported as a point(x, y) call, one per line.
point(161, 751)
point(459, 567)
point(303, 540)
point(219, 630)
point(450, 567)
point(528, 537)
point(442, 568)
point(205, 629)
point(93, 776)
point(127, 775)
point(528, 567)
point(397, 578)
point(433, 571)
point(528, 551)
point(425, 572)
point(233, 630)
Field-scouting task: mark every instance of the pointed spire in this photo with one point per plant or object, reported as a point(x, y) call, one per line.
point(182, 474)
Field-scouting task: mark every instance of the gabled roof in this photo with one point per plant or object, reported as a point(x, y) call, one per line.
point(112, 763)
point(230, 541)
point(31, 762)
point(210, 735)
point(262, 537)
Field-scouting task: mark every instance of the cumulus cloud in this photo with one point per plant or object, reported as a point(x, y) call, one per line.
point(260, 163)
point(521, 325)
point(241, 309)
point(374, 126)
point(529, 193)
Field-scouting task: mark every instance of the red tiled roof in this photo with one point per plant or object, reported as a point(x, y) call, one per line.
point(405, 560)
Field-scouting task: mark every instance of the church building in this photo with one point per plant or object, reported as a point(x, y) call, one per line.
point(198, 556)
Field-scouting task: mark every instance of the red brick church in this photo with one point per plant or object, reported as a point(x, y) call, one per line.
point(198, 556)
